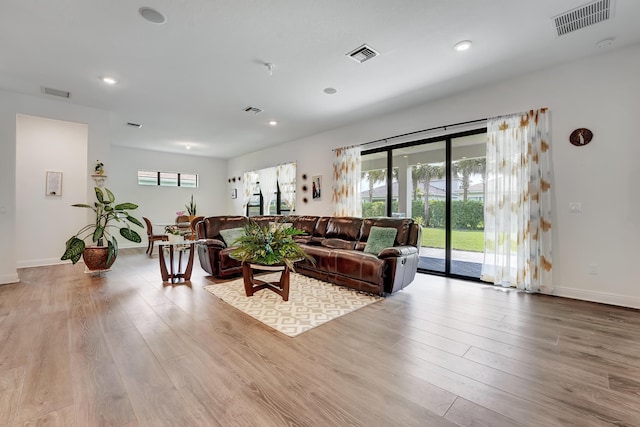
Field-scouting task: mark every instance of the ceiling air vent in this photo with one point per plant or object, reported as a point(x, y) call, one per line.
point(55, 92)
point(134, 125)
point(254, 110)
point(363, 53)
point(583, 16)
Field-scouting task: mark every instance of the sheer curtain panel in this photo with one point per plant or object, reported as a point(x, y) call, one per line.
point(249, 186)
point(346, 182)
point(517, 208)
point(287, 183)
point(268, 185)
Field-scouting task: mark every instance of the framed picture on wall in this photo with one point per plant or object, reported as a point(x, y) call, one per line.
point(316, 187)
point(53, 184)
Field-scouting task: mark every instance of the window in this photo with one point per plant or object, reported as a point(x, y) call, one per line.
point(277, 207)
point(168, 179)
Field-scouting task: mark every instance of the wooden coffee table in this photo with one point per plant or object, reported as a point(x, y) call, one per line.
point(251, 284)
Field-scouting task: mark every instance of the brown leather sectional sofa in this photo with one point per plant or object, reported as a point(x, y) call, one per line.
point(337, 245)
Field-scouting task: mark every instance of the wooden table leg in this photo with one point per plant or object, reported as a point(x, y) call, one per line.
point(251, 284)
point(163, 265)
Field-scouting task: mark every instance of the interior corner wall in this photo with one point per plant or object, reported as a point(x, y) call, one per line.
point(601, 93)
point(48, 145)
point(160, 204)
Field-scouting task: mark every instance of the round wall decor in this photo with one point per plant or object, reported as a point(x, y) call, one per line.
point(580, 137)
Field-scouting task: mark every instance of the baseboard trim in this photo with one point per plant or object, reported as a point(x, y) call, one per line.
point(27, 263)
point(9, 278)
point(601, 297)
point(39, 262)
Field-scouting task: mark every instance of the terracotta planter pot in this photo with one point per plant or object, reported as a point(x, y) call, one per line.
point(95, 258)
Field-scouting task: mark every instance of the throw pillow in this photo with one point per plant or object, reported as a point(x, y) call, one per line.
point(230, 235)
point(380, 238)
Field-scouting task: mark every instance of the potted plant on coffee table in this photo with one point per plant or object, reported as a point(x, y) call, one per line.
point(108, 215)
point(268, 248)
point(271, 244)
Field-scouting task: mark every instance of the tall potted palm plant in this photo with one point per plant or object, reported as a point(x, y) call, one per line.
point(108, 215)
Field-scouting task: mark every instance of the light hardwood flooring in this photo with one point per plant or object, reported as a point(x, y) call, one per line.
point(123, 350)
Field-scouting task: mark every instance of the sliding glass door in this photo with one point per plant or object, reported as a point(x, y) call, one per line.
point(438, 182)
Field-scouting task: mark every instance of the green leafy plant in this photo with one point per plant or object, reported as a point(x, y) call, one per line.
point(191, 207)
point(172, 229)
point(269, 245)
point(106, 212)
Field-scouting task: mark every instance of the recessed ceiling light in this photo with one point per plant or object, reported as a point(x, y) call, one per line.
point(273, 123)
point(152, 15)
point(462, 46)
point(188, 147)
point(330, 90)
point(109, 80)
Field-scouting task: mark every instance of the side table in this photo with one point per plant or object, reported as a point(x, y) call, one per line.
point(251, 284)
point(175, 273)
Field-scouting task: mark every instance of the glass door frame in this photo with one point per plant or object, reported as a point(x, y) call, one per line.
point(448, 193)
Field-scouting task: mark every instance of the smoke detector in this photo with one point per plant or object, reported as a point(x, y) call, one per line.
point(363, 53)
point(583, 16)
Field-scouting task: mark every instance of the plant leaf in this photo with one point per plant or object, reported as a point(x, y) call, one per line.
point(125, 206)
point(99, 194)
point(131, 235)
point(98, 233)
point(74, 250)
point(110, 195)
point(82, 205)
point(134, 220)
point(112, 250)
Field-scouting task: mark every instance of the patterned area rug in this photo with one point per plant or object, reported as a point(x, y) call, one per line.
point(311, 302)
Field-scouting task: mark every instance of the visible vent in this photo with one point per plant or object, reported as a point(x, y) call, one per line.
point(363, 53)
point(254, 110)
point(55, 92)
point(583, 16)
point(134, 125)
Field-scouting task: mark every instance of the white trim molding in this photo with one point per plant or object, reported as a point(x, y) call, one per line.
point(601, 297)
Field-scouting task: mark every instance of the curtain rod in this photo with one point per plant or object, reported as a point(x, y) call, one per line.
point(412, 133)
point(425, 130)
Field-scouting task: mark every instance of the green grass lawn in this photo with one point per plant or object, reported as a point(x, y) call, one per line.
point(463, 240)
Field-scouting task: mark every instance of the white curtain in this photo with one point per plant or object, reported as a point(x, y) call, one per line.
point(268, 185)
point(517, 209)
point(346, 182)
point(287, 183)
point(249, 186)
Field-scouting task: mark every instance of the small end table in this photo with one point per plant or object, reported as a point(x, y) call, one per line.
point(251, 284)
point(175, 273)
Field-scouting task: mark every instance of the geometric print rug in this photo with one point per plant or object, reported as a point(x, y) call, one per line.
point(312, 302)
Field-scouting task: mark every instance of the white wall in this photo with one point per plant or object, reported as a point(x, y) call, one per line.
point(160, 204)
point(601, 93)
point(48, 145)
point(12, 104)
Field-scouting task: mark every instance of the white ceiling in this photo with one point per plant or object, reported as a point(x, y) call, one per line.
point(187, 81)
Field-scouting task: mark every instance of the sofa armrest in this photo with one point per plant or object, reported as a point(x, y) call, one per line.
point(397, 251)
point(212, 243)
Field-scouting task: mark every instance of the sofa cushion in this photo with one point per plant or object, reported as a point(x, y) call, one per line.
point(338, 243)
point(380, 238)
point(230, 235)
point(403, 225)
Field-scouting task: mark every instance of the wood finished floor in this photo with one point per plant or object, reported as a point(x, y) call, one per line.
point(124, 350)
